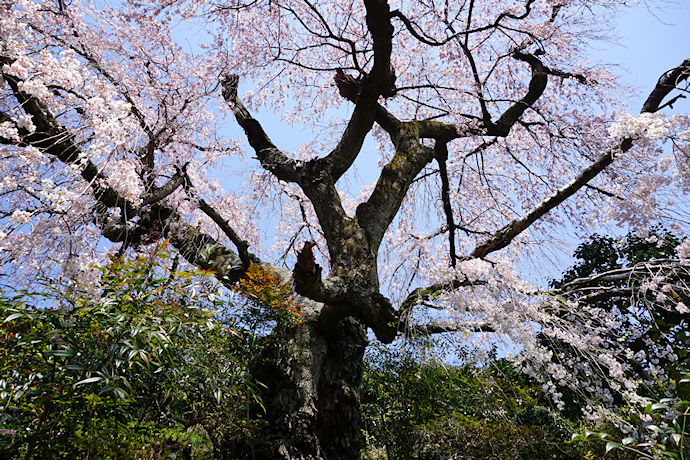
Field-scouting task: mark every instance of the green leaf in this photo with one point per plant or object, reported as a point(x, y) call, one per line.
point(13, 316)
point(89, 380)
point(75, 367)
point(120, 393)
point(610, 445)
point(66, 353)
point(629, 440)
point(657, 406)
point(654, 428)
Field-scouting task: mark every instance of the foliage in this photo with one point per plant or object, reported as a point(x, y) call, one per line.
point(154, 353)
point(270, 300)
point(414, 409)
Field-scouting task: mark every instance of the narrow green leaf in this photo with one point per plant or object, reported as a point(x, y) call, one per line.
point(67, 353)
point(629, 440)
point(75, 367)
point(611, 446)
point(13, 316)
point(89, 380)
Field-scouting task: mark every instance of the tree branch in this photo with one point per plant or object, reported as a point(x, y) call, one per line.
point(272, 159)
point(440, 328)
point(441, 157)
point(426, 293)
point(622, 274)
point(667, 83)
point(536, 88)
point(376, 214)
point(424, 38)
point(157, 194)
point(504, 236)
point(242, 245)
point(350, 89)
point(55, 140)
point(365, 93)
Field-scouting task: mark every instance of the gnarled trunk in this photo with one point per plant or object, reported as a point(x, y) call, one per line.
point(312, 394)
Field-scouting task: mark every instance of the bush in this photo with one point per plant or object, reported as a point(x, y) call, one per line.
point(429, 410)
point(155, 364)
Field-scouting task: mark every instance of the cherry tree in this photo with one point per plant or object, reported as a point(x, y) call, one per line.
point(490, 131)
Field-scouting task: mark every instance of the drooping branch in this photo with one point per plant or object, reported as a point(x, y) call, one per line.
point(154, 220)
point(54, 139)
point(609, 292)
point(241, 245)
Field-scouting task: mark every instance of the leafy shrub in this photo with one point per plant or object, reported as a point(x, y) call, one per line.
point(132, 371)
point(429, 410)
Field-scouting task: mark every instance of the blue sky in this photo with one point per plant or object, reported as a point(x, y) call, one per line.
point(651, 41)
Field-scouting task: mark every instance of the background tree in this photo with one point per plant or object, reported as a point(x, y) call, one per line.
point(641, 283)
point(424, 408)
point(489, 123)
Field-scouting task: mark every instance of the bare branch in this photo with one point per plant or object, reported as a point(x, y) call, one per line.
point(272, 159)
point(667, 83)
point(440, 328)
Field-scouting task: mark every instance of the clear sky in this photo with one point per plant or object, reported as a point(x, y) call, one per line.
point(651, 41)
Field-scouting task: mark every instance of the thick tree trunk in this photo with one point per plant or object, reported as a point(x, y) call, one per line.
point(312, 395)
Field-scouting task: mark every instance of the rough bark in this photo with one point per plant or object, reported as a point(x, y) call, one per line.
point(312, 394)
